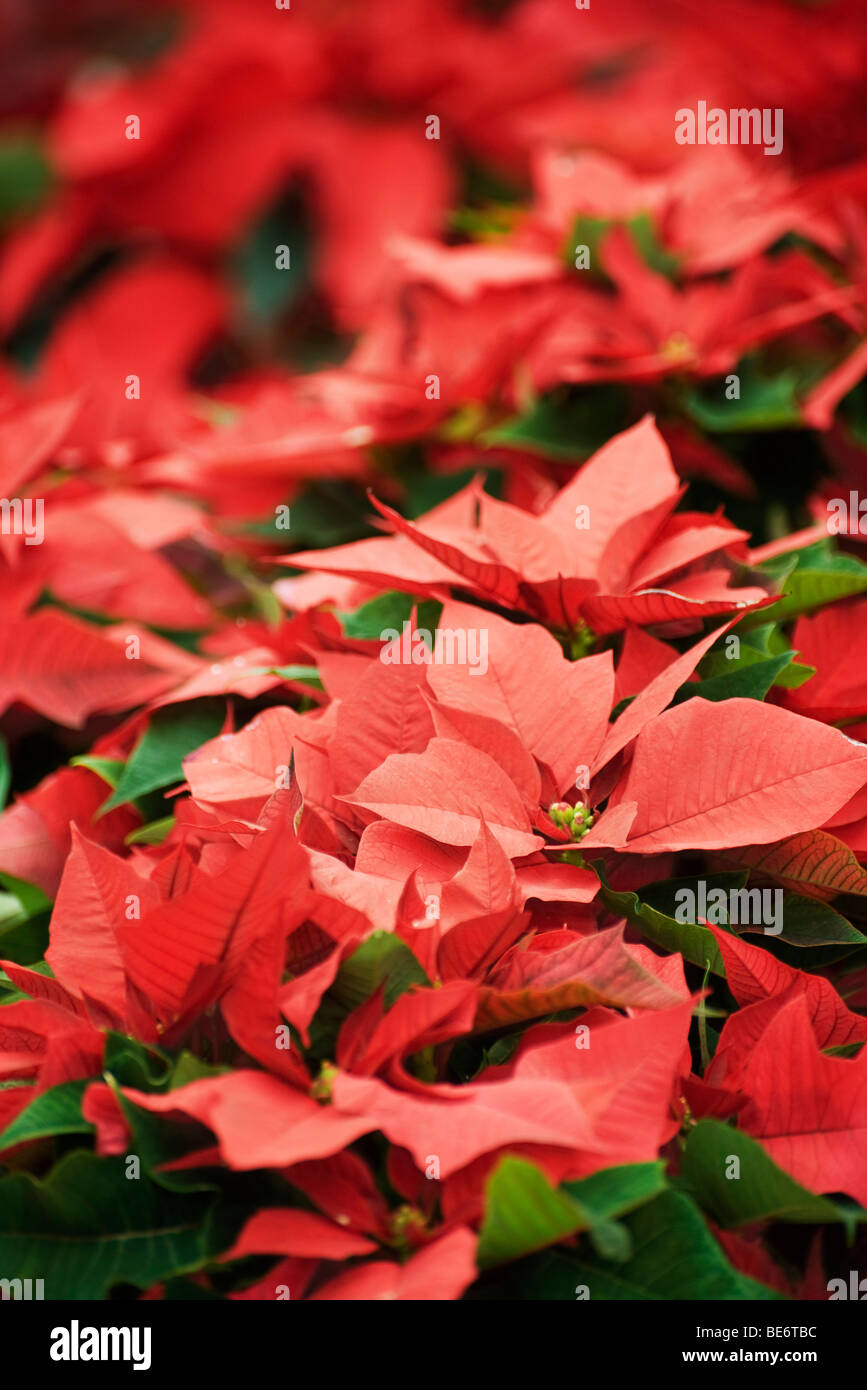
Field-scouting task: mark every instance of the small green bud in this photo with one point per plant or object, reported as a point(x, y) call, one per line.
point(321, 1087)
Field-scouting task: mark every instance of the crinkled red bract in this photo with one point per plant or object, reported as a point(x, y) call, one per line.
point(433, 709)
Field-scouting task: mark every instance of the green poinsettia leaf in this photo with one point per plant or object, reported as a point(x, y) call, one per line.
point(88, 1227)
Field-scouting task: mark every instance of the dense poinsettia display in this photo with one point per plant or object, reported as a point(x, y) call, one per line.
point(432, 689)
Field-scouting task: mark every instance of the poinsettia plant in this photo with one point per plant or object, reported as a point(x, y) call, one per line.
point(433, 720)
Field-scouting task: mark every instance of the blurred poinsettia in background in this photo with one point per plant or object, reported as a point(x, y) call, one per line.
point(433, 695)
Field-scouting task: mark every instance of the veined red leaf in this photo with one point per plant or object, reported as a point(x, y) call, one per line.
point(808, 1110)
point(706, 774)
point(813, 862)
point(595, 969)
point(68, 671)
point(561, 714)
point(447, 792)
point(283, 1231)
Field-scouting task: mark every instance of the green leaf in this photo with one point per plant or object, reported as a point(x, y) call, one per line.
point(472, 1055)
point(767, 402)
point(611, 1241)
point(675, 1257)
point(88, 1227)
point(795, 675)
point(425, 490)
point(162, 1139)
point(811, 922)
point(591, 232)
point(172, 733)
point(25, 176)
point(9, 993)
point(614, 1191)
point(5, 773)
point(12, 913)
point(695, 943)
point(588, 231)
point(761, 1192)
point(31, 899)
point(159, 1139)
point(756, 646)
point(132, 1063)
point(24, 917)
point(26, 942)
point(643, 232)
point(151, 834)
point(267, 290)
point(820, 576)
point(189, 1067)
point(330, 511)
point(769, 639)
point(109, 769)
point(383, 956)
point(389, 610)
point(57, 1111)
point(308, 674)
point(488, 223)
point(523, 1212)
point(567, 424)
point(750, 680)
